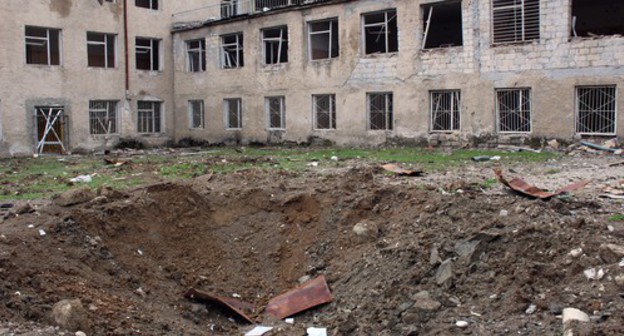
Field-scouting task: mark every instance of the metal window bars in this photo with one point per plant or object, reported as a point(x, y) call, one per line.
point(513, 110)
point(596, 110)
point(275, 42)
point(51, 124)
point(445, 110)
point(276, 112)
point(196, 55)
point(324, 111)
point(380, 111)
point(196, 112)
point(148, 117)
point(232, 51)
point(102, 117)
point(233, 113)
point(230, 8)
point(515, 20)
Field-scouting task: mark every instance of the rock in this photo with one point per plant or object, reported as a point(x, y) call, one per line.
point(619, 280)
point(503, 213)
point(24, 209)
point(428, 304)
point(573, 321)
point(531, 309)
point(304, 279)
point(445, 272)
point(616, 229)
point(80, 333)
point(141, 292)
point(554, 144)
point(74, 196)
point(594, 273)
point(365, 231)
point(70, 315)
point(461, 324)
point(434, 257)
point(474, 247)
point(573, 314)
point(576, 253)
point(611, 253)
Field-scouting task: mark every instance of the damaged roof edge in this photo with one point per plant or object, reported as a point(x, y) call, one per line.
point(192, 25)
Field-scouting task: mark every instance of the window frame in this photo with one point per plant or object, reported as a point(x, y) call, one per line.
point(388, 110)
point(267, 106)
point(523, 22)
point(153, 4)
point(330, 32)
point(227, 103)
point(153, 51)
point(47, 42)
point(108, 109)
point(265, 40)
point(455, 110)
point(156, 117)
point(199, 51)
point(386, 33)
point(521, 91)
point(240, 47)
point(614, 102)
point(331, 112)
point(192, 113)
point(106, 47)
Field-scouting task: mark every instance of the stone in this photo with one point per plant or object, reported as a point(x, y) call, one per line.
point(70, 315)
point(611, 253)
point(80, 333)
point(503, 213)
point(573, 314)
point(24, 209)
point(444, 273)
point(619, 280)
point(365, 231)
point(304, 279)
point(531, 309)
point(573, 321)
point(141, 292)
point(576, 253)
point(74, 196)
point(434, 257)
point(461, 324)
point(616, 230)
point(554, 144)
point(427, 305)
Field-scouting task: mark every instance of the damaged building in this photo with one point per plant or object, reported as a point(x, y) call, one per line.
point(270, 71)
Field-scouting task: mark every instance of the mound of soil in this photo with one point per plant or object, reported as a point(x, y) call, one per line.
point(419, 261)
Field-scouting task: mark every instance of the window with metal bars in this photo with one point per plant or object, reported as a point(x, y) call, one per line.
point(149, 4)
point(380, 111)
point(147, 54)
point(102, 117)
point(196, 113)
point(515, 20)
point(148, 119)
point(323, 39)
point(445, 110)
point(196, 55)
point(43, 46)
point(275, 45)
point(101, 50)
point(324, 111)
point(513, 110)
point(233, 111)
point(596, 110)
point(276, 112)
point(232, 51)
point(380, 32)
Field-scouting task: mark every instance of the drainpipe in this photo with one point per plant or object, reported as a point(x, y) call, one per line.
point(127, 52)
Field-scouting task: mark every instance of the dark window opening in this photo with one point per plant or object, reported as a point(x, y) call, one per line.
point(149, 4)
point(101, 50)
point(275, 42)
point(229, 8)
point(323, 39)
point(196, 55)
point(597, 17)
point(380, 111)
point(232, 51)
point(443, 25)
point(147, 54)
point(381, 32)
point(43, 46)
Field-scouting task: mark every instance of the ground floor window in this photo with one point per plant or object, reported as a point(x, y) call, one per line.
point(51, 123)
point(149, 117)
point(513, 110)
point(102, 117)
point(380, 111)
point(445, 110)
point(595, 110)
point(324, 111)
point(196, 113)
point(232, 108)
point(276, 112)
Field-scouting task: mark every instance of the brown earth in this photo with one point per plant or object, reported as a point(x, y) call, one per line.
point(255, 233)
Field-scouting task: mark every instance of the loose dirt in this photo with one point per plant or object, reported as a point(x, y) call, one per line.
point(131, 256)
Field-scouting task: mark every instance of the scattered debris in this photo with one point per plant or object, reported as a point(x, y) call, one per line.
point(445, 272)
point(234, 305)
point(461, 324)
point(258, 331)
point(503, 213)
point(571, 315)
point(615, 164)
point(526, 189)
point(334, 158)
point(576, 253)
point(554, 144)
point(313, 164)
point(400, 171)
point(611, 253)
point(619, 280)
point(82, 178)
point(594, 273)
point(116, 162)
point(598, 147)
point(304, 297)
point(42, 232)
point(316, 331)
point(289, 320)
point(484, 158)
point(6, 205)
point(531, 309)
point(70, 315)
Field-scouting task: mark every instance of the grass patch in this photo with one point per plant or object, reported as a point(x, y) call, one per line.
point(617, 218)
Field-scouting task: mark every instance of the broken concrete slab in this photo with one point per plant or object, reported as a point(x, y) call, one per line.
point(444, 273)
point(611, 253)
point(70, 315)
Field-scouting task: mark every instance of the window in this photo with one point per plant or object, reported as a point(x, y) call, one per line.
point(232, 51)
point(323, 39)
point(229, 8)
point(515, 20)
point(445, 110)
point(43, 46)
point(101, 50)
point(102, 117)
point(149, 4)
point(196, 55)
point(381, 33)
point(148, 117)
point(233, 113)
point(275, 43)
point(380, 112)
point(196, 113)
point(147, 54)
point(513, 110)
point(443, 25)
point(597, 17)
point(324, 111)
point(595, 110)
point(276, 112)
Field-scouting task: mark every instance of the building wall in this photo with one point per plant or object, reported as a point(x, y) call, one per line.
point(552, 67)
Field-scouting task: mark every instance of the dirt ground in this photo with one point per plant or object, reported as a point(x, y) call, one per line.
point(130, 256)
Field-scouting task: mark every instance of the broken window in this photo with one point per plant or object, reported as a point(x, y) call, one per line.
point(323, 39)
point(196, 55)
point(149, 4)
point(232, 51)
point(324, 111)
point(233, 113)
point(148, 120)
point(515, 20)
point(445, 110)
point(275, 43)
point(102, 117)
point(380, 111)
point(101, 50)
point(513, 110)
point(229, 8)
point(51, 124)
point(443, 25)
point(596, 110)
point(147, 54)
point(196, 113)
point(381, 33)
point(276, 112)
point(43, 46)
point(597, 17)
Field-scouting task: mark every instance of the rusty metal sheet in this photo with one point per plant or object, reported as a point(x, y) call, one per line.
point(391, 167)
point(311, 294)
point(524, 188)
point(236, 306)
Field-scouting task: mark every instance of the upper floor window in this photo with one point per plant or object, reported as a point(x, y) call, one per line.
point(229, 8)
point(275, 45)
point(232, 51)
point(43, 46)
point(592, 18)
point(196, 55)
point(381, 33)
point(149, 4)
point(101, 50)
point(323, 39)
point(515, 20)
point(147, 54)
point(442, 24)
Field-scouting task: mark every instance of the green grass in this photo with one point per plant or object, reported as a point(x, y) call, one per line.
point(617, 218)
